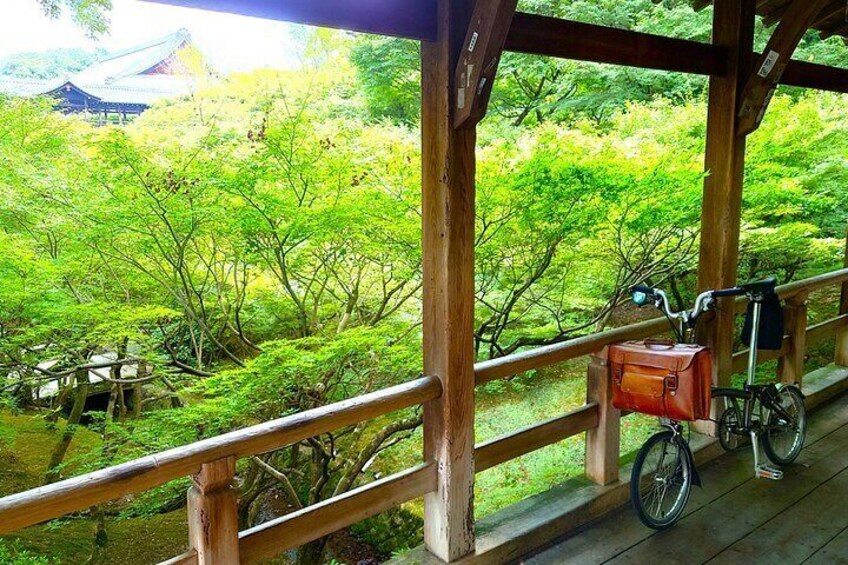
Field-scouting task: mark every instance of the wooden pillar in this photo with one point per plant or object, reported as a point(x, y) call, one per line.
point(602, 443)
point(791, 366)
point(841, 357)
point(213, 514)
point(733, 28)
point(448, 292)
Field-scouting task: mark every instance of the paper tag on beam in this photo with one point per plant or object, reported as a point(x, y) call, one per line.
point(768, 63)
point(473, 42)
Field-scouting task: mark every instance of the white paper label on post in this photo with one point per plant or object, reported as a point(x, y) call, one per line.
point(768, 63)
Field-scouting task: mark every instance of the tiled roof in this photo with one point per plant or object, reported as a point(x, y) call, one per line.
point(26, 86)
point(133, 61)
point(118, 78)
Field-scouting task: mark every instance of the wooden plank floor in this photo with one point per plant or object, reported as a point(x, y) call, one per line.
point(735, 518)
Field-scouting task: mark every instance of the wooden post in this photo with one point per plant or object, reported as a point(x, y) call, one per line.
point(790, 368)
point(213, 514)
point(841, 357)
point(602, 443)
point(733, 28)
point(448, 289)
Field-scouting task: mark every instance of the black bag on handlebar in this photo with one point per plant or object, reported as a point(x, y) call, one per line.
point(771, 323)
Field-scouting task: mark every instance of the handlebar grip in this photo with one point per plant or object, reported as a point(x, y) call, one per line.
point(642, 288)
point(735, 291)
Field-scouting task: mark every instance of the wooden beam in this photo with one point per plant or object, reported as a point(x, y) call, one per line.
point(413, 19)
point(761, 84)
point(733, 29)
point(480, 55)
point(448, 170)
point(272, 538)
point(566, 39)
point(836, 9)
point(819, 77)
point(599, 44)
point(775, 14)
point(839, 29)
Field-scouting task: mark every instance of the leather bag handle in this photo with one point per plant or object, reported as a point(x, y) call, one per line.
point(659, 343)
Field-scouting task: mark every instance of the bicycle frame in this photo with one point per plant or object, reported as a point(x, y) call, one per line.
point(751, 394)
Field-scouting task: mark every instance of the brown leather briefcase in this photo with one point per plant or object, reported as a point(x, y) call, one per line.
point(662, 378)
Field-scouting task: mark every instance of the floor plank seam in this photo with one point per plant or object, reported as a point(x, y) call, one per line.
point(819, 550)
point(831, 413)
point(722, 495)
point(777, 514)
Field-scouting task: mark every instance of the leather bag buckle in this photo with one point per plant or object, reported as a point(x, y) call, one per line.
point(671, 383)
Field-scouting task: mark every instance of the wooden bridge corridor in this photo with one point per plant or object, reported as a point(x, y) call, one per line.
point(735, 518)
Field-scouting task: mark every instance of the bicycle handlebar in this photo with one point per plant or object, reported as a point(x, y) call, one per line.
point(735, 291)
point(705, 301)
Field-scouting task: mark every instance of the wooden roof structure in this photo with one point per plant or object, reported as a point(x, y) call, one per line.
point(831, 19)
point(461, 45)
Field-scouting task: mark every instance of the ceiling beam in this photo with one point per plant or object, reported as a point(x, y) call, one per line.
point(818, 77)
point(566, 39)
point(479, 59)
point(412, 19)
point(769, 68)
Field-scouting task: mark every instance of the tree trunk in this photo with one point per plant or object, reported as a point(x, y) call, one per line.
point(61, 448)
point(312, 553)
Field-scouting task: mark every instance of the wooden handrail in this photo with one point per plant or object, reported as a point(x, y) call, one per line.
point(187, 558)
point(303, 526)
point(824, 330)
point(529, 439)
point(539, 357)
point(72, 495)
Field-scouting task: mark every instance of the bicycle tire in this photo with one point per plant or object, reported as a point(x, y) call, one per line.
point(784, 457)
point(644, 489)
point(730, 417)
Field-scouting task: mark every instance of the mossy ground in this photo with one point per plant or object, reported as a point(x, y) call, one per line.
point(26, 442)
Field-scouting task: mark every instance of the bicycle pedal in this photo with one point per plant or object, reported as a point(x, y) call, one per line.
point(764, 472)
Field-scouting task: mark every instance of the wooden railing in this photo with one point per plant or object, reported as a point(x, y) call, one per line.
point(212, 505)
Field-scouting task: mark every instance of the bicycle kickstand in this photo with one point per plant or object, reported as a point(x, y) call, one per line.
point(762, 471)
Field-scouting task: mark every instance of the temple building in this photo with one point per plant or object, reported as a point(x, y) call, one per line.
point(121, 85)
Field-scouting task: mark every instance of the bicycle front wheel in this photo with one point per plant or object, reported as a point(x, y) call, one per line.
point(787, 427)
point(661, 480)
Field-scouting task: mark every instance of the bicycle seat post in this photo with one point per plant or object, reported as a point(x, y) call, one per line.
point(755, 339)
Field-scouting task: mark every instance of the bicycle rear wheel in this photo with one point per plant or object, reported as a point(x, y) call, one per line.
point(728, 429)
point(786, 430)
point(661, 480)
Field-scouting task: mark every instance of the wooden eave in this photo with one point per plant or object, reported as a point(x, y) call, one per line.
point(832, 19)
point(534, 34)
